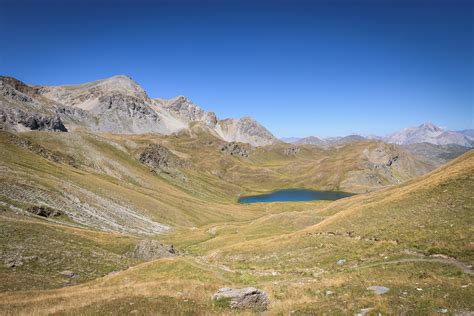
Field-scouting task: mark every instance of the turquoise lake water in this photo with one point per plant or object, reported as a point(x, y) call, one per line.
point(294, 195)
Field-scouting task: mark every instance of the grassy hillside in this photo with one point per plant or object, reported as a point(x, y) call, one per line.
point(414, 238)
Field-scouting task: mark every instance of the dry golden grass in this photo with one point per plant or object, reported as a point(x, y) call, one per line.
point(290, 250)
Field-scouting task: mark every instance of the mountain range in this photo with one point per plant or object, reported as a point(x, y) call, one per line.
point(424, 133)
point(116, 105)
point(120, 105)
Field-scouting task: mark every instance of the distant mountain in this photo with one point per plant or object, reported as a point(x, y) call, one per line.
point(326, 142)
point(467, 132)
point(429, 133)
point(311, 140)
point(436, 155)
point(116, 105)
point(344, 140)
point(290, 140)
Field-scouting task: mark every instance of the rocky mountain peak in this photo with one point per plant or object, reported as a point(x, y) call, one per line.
point(430, 126)
point(87, 96)
point(429, 133)
point(120, 84)
point(245, 130)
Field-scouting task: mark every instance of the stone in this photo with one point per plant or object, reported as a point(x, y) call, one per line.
point(364, 311)
point(67, 273)
point(245, 298)
point(341, 262)
point(378, 290)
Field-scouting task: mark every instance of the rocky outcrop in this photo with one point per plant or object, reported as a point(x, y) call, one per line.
point(11, 93)
point(10, 119)
point(44, 211)
point(187, 110)
point(19, 86)
point(152, 249)
point(291, 151)
point(235, 149)
point(246, 298)
point(159, 158)
point(131, 106)
point(42, 123)
point(15, 260)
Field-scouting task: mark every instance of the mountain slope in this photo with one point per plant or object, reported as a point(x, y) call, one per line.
point(401, 218)
point(107, 183)
point(311, 258)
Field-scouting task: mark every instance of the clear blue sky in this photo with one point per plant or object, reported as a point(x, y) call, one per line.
point(300, 68)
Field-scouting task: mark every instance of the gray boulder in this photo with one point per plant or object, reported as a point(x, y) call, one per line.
point(378, 290)
point(245, 298)
point(67, 273)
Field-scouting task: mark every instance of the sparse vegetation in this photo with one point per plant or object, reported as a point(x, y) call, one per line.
point(414, 238)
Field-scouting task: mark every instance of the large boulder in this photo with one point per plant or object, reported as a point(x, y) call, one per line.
point(245, 298)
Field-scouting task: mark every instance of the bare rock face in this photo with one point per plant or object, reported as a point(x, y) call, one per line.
point(130, 105)
point(152, 249)
point(184, 108)
point(246, 298)
point(159, 158)
point(17, 85)
point(382, 156)
point(245, 130)
point(10, 119)
point(235, 149)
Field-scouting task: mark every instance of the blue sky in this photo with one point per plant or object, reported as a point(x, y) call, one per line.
point(301, 68)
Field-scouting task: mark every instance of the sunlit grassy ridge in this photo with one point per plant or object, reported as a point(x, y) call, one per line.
point(415, 238)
